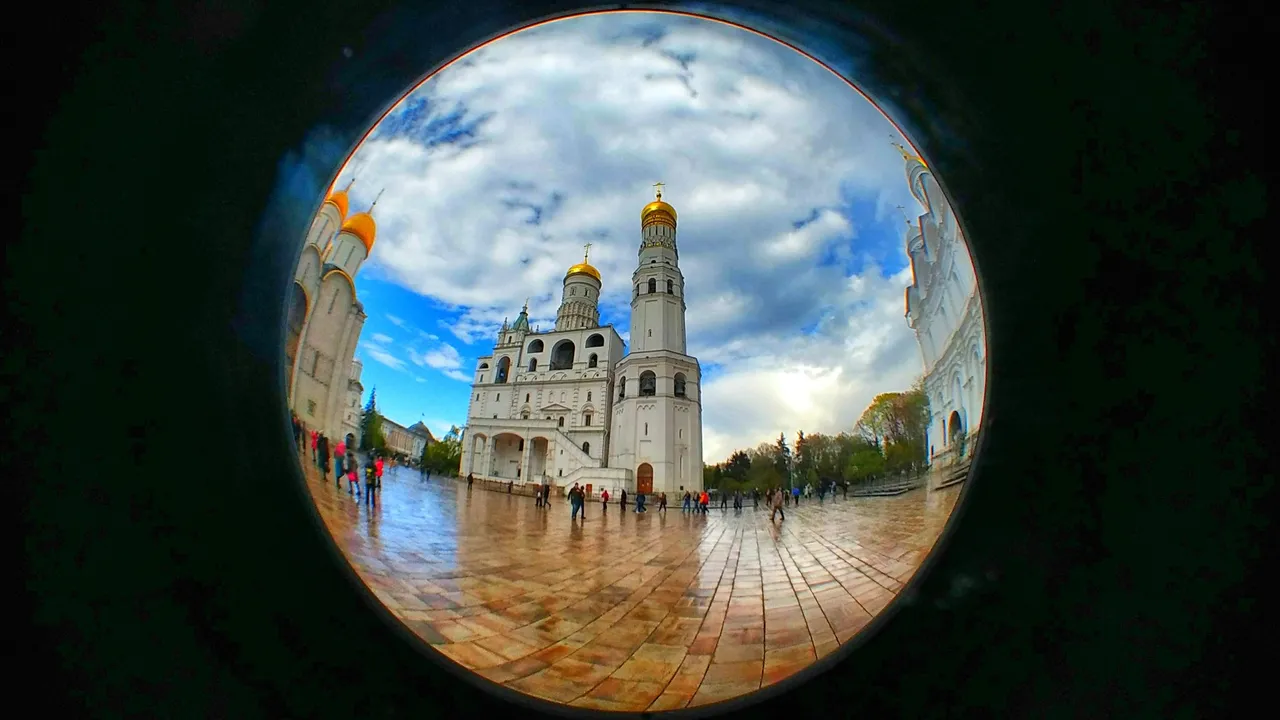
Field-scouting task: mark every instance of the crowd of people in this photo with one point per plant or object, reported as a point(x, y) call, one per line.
point(348, 464)
point(347, 461)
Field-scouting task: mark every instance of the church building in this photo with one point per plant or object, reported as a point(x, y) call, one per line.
point(568, 405)
point(945, 310)
point(325, 318)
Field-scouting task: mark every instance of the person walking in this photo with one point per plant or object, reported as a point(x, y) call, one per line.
point(724, 500)
point(778, 495)
point(315, 441)
point(662, 502)
point(320, 451)
point(470, 480)
point(575, 502)
point(704, 502)
point(687, 505)
point(353, 480)
point(340, 457)
point(377, 473)
point(604, 501)
point(622, 500)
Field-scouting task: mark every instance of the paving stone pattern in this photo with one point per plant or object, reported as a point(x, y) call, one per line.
point(627, 611)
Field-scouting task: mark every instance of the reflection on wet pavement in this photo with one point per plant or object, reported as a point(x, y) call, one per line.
point(625, 611)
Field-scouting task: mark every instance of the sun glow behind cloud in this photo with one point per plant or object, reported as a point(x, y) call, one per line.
point(499, 169)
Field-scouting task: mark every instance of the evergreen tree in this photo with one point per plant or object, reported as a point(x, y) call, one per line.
point(782, 457)
point(371, 435)
point(803, 464)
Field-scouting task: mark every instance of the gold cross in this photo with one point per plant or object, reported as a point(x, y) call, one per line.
point(586, 251)
point(659, 186)
point(904, 215)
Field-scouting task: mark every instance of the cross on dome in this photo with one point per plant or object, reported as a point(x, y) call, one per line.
point(659, 185)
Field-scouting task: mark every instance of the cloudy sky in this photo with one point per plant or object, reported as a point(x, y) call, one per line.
point(499, 169)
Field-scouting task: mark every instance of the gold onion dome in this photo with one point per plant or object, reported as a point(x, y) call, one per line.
point(339, 200)
point(657, 213)
point(362, 226)
point(584, 267)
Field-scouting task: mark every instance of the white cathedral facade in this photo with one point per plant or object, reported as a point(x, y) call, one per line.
point(567, 405)
point(325, 319)
point(945, 310)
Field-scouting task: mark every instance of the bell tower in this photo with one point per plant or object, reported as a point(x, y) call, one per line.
point(657, 292)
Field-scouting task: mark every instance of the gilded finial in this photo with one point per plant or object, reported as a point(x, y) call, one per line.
point(907, 154)
point(659, 186)
point(376, 199)
point(905, 219)
point(586, 252)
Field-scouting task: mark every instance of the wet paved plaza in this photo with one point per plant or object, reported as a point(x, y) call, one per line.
point(624, 611)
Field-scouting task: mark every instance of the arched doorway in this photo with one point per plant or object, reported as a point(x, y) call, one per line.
point(293, 336)
point(644, 479)
point(955, 432)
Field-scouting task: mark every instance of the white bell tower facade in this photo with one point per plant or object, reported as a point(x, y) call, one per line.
point(657, 424)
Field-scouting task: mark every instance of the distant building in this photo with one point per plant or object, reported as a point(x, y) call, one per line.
point(325, 317)
point(408, 441)
point(352, 412)
point(567, 405)
point(945, 310)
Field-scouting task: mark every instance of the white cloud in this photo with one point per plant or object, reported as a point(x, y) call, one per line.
point(764, 154)
point(381, 339)
point(381, 355)
point(418, 378)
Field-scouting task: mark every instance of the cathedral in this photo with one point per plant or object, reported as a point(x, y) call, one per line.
point(569, 406)
point(325, 319)
point(945, 310)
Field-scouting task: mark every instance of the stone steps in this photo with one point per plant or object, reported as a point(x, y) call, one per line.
point(955, 475)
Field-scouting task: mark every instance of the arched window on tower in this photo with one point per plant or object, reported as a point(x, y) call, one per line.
point(586, 448)
point(586, 419)
point(561, 423)
point(671, 287)
point(535, 347)
point(653, 285)
point(637, 288)
point(680, 382)
point(592, 361)
point(622, 388)
point(504, 366)
point(533, 364)
point(589, 393)
point(648, 384)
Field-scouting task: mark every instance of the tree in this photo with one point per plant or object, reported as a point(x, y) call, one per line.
point(443, 455)
point(863, 465)
point(782, 457)
point(738, 465)
point(371, 434)
point(802, 463)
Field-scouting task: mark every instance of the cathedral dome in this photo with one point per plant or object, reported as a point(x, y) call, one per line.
point(583, 268)
point(657, 212)
point(339, 200)
point(362, 226)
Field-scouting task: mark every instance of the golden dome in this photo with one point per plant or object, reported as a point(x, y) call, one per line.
point(583, 268)
point(339, 200)
point(362, 226)
point(658, 212)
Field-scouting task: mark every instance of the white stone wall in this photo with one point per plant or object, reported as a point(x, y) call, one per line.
point(663, 430)
point(945, 309)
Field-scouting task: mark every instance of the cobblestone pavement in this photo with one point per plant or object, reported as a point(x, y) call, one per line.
point(626, 611)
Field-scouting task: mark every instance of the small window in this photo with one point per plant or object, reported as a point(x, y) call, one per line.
point(495, 417)
point(646, 428)
point(592, 361)
point(497, 397)
point(311, 407)
point(588, 396)
point(533, 364)
point(681, 434)
point(561, 473)
point(561, 423)
point(679, 385)
point(586, 420)
point(524, 416)
point(586, 448)
point(637, 288)
point(670, 287)
point(650, 333)
point(653, 285)
point(622, 388)
point(522, 445)
point(526, 397)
